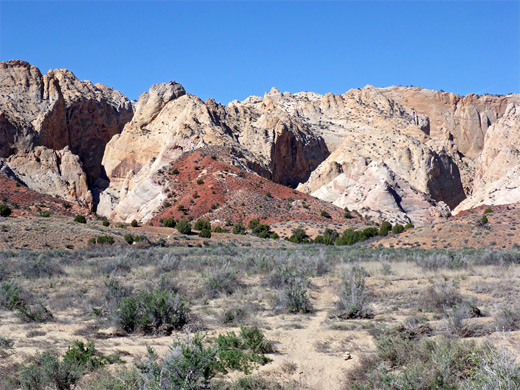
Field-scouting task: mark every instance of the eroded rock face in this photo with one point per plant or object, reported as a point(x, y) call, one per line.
point(56, 111)
point(497, 180)
point(58, 173)
point(169, 122)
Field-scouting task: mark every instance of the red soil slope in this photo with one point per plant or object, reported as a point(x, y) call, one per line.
point(209, 186)
point(23, 201)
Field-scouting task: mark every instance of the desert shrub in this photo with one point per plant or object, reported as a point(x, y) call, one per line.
point(221, 280)
point(348, 215)
point(114, 294)
point(105, 240)
point(202, 224)
point(455, 323)
point(44, 214)
point(409, 225)
point(169, 222)
point(484, 220)
point(38, 267)
point(152, 311)
point(243, 352)
point(80, 219)
point(253, 382)
point(442, 296)
point(508, 318)
point(200, 182)
point(299, 236)
point(397, 229)
point(5, 210)
point(294, 297)
point(234, 315)
point(488, 211)
point(49, 371)
point(385, 228)
point(218, 229)
point(12, 297)
point(205, 233)
point(129, 238)
point(126, 378)
point(175, 171)
point(239, 229)
point(353, 294)
point(495, 369)
point(329, 237)
point(422, 364)
point(134, 223)
point(183, 227)
point(5, 343)
point(325, 214)
point(106, 223)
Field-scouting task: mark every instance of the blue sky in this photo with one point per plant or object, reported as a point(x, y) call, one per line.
point(230, 50)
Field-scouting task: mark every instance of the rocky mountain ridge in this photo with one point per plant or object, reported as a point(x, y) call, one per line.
point(401, 154)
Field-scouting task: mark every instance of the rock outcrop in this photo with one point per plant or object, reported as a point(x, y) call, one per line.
point(497, 179)
point(57, 111)
point(169, 122)
point(398, 154)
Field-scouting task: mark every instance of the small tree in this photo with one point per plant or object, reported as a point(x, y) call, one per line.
point(183, 227)
point(239, 229)
point(397, 229)
point(5, 210)
point(134, 223)
point(80, 219)
point(205, 233)
point(202, 224)
point(106, 223)
point(325, 214)
point(169, 222)
point(484, 220)
point(385, 228)
point(299, 236)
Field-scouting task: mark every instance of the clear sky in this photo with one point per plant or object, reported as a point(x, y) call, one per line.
point(230, 50)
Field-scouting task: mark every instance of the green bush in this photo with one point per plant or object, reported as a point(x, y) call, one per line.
point(348, 215)
point(218, 229)
point(175, 171)
point(49, 371)
point(325, 214)
point(80, 219)
point(350, 237)
point(5, 210)
point(409, 225)
point(398, 229)
point(12, 297)
point(254, 223)
point(169, 222)
point(200, 181)
point(129, 238)
point(385, 228)
point(299, 236)
point(484, 220)
point(134, 223)
point(202, 224)
point(151, 311)
point(239, 229)
point(105, 240)
point(106, 223)
point(44, 214)
point(488, 211)
point(183, 227)
point(370, 232)
point(205, 233)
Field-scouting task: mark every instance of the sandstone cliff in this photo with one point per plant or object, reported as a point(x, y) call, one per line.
point(57, 111)
point(169, 122)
